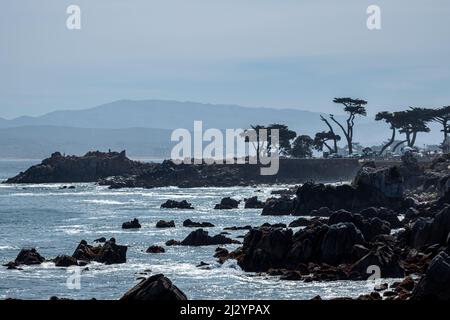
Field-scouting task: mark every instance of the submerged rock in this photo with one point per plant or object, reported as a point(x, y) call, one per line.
point(235, 228)
point(165, 224)
point(173, 204)
point(155, 249)
point(156, 287)
point(191, 224)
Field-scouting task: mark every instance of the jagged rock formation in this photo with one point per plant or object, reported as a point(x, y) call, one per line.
point(157, 287)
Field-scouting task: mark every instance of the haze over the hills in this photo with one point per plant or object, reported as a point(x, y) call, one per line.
point(143, 127)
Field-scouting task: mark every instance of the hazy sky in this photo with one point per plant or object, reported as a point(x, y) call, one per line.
point(274, 53)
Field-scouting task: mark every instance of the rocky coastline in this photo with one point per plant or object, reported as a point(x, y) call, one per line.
point(116, 170)
point(395, 219)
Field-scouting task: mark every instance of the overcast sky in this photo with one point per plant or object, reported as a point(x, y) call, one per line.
point(272, 53)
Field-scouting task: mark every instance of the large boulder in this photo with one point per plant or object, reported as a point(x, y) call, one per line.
point(156, 287)
point(27, 257)
point(200, 237)
point(173, 204)
point(379, 185)
point(227, 203)
point(278, 206)
point(382, 213)
point(65, 261)
point(435, 284)
point(338, 241)
point(382, 257)
point(265, 248)
point(370, 228)
point(165, 224)
point(133, 224)
point(253, 203)
point(311, 196)
point(108, 253)
point(426, 231)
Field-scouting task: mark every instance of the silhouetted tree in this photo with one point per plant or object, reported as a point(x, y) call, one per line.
point(285, 136)
point(332, 134)
point(353, 107)
point(301, 147)
point(255, 130)
point(389, 118)
point(410, 123)
point(442, 116)
point(321, 138)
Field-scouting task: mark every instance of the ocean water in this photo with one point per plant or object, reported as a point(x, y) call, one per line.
point(54, 220)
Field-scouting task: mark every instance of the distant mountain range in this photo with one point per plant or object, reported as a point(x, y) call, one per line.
point(143, 127)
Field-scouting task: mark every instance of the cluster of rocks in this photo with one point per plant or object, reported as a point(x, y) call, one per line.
point(356, 227)
point(108, 253)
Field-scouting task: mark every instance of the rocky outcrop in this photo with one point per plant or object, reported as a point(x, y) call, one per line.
point(191, 224)
point(227, 203)
point(173, 204)
point(377, 187)
point(382, 257)
point(435, 284)
point(265, 248)
point(338, 241)
point(429, 231)
point(133, 224)
point(108, 253)
point(88, 168)
point(370, 228)
point(300, 222)
point(165, 224)
point(253, 203)
point(156, 287)
point(278, 206)
point(202, 238)
point(26, 257)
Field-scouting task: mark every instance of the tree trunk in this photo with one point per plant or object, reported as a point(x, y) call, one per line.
point(398, 144)
point(413, 140)
point(389, 143)
point(346, 134)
